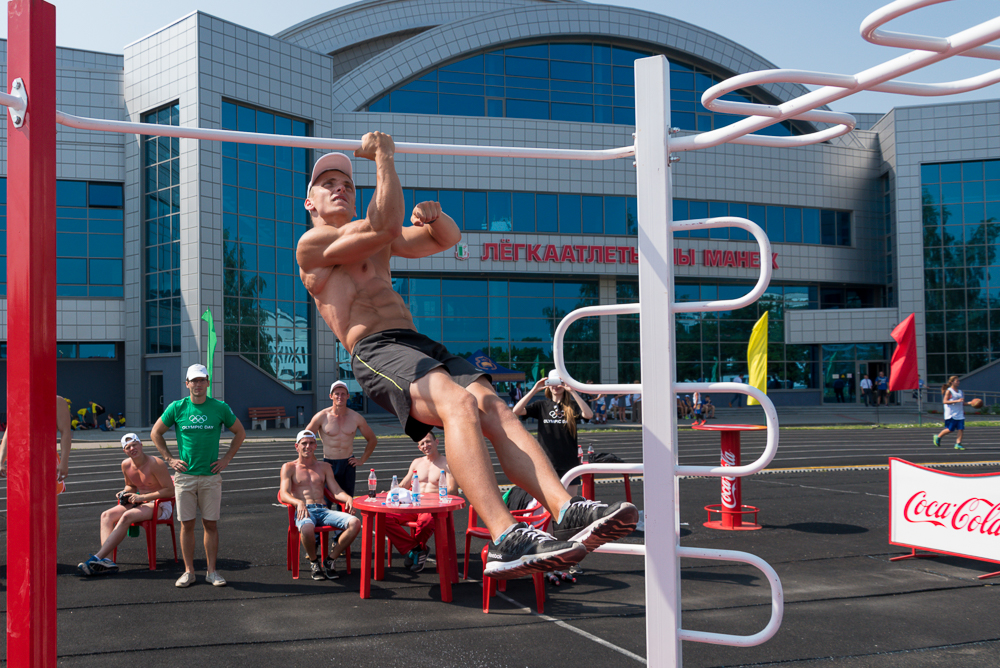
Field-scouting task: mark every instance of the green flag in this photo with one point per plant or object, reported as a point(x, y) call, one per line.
point(534, 371)
point(207, 317)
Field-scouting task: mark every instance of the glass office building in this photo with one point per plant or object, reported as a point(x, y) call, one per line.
point(166, 243)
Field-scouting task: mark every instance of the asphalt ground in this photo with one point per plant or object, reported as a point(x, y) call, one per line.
point(825, 532)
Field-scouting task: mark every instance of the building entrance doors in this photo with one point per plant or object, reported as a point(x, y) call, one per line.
point(872, 368)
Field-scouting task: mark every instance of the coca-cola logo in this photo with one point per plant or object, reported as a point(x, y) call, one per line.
point(730, 486)
point(974, 514)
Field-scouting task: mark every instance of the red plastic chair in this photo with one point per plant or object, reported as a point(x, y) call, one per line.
point(292, 553)
point(539, 519)
point(473, 530)
point(150, 528)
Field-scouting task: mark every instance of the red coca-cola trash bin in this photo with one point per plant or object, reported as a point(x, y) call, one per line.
point(731, 510)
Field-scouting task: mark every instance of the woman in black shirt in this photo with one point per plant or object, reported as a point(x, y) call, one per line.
point(557, 413)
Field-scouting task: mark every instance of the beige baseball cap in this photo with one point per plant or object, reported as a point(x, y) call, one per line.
point(337, 161)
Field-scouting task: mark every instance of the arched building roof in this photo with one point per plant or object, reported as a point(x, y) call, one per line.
point(429, 34)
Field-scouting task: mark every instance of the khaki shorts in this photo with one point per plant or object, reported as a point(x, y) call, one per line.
point(198, 492)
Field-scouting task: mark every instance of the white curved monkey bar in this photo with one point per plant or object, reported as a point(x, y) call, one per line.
point(777, 599)
point(927, 50)
point(763, 243)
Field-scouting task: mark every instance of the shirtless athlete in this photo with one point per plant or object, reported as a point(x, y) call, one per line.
point(65, 428)
point(147, 479)
point(336, 427)
point(344, 263)
point(302, 485)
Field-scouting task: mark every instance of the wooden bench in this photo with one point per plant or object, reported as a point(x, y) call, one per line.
point(260, 416)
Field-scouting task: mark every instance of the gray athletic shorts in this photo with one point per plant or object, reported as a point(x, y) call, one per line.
point(385, 363)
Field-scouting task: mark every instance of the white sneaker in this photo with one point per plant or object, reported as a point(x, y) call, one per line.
point(185, 580)
point(215, 579)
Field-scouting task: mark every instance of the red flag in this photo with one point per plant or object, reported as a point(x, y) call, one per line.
point(903, 375)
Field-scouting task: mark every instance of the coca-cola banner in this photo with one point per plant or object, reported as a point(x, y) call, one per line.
point(951, 513)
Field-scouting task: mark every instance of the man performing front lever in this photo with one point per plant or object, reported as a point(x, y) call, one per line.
point(344, 263)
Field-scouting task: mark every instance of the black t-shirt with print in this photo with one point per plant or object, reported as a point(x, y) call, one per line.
point(553, 434)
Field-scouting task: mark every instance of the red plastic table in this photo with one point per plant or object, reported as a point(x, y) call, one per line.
point(373, 514)
point(731, 510)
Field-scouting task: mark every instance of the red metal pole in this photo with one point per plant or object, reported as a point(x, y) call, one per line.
point(732, 496)
point(31, 339)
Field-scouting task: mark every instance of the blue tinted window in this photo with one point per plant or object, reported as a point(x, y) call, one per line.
point(810, 226)
point(106, 272)
point(500, 212)
point(520, 80)
point(614, 215)
point(547, 213)
point(71, 193)
point(793, 225)
point(569, 214)
point(698, 211)
point(71, 271)
point(775, 224)
point(451, 204)
point(475, 211)
point(106, 194)
point(524, 212)
point(593, 215)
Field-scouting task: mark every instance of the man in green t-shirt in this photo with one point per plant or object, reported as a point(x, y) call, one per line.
point(197, 421)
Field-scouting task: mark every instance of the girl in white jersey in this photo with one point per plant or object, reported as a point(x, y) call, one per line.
point(954, 412)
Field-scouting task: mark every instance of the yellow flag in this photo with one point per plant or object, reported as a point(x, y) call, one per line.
point(757, 358)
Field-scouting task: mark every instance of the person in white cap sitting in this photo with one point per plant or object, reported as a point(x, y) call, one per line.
point(198, 421)
point(147, 479)
point(303, 482)
point(336, 427)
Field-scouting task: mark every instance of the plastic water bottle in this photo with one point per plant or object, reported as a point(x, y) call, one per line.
point(372, 483)
point(579, 453)
point(415, 490)
point(590, 454)
point(443, 487)
point(394, 492)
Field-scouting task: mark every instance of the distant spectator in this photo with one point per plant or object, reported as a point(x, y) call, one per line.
point(882, 385)
point(738, 397)
point(708, 409)
point(838, 389)
point(636, 405)
point(866, 390)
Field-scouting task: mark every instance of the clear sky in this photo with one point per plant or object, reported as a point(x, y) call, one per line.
point(799, 34)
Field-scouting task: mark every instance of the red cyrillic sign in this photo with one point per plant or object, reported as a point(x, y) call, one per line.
point(506, 251)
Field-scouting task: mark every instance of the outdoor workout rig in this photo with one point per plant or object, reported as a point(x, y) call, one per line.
point(31, 304)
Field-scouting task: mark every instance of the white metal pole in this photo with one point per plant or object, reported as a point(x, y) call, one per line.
point(656, 332)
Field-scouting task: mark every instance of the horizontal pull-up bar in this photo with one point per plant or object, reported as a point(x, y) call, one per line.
point(126, 127)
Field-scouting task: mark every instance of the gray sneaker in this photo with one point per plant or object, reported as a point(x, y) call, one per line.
point(213, 578)
point(185, 580)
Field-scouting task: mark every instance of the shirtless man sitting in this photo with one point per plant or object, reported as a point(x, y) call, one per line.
point(336, 427)
point(428, 469)
point(302, 485)
point(146, 480)
point(344, 264)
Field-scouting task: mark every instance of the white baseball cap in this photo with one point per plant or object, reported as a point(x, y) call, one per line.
point(130, 438)
point(337, 161)
point(305, 433)
point(340, 383)
point(196, 371)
